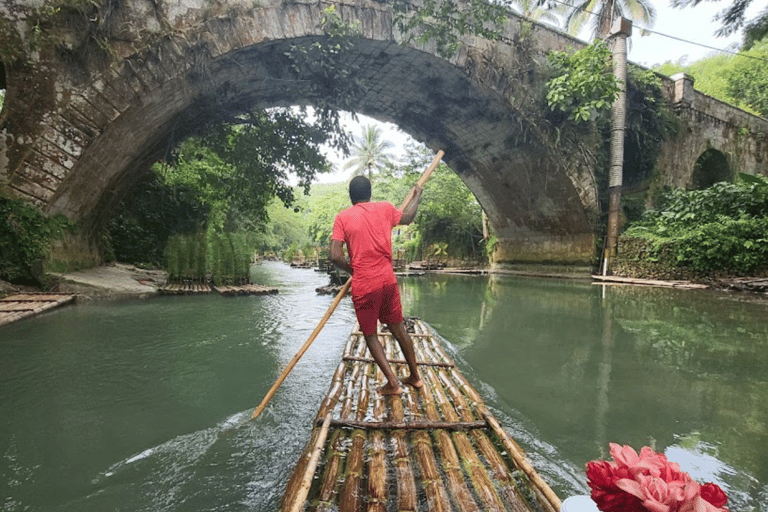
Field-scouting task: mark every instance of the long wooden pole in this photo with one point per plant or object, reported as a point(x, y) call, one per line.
point(332, 307)
point(517, 454)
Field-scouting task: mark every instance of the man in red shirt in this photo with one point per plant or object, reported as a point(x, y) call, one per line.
point(366, 228)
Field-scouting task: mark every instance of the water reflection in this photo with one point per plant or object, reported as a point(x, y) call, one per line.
point(682, 371)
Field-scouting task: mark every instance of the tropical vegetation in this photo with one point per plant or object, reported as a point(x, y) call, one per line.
point(25, 237)
point(369, 152)
point(601, 14)
point(723, 228)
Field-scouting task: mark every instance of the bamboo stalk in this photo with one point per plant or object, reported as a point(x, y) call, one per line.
point(397, 361)
point(334, 460)
point(517, 454)
point(431, 481)
point(297, 491)
point(481, 481)
point(408, 425)
point(404, 477)
point(333, 393)
point(456, 484)
point(378, 491)
point(351, 499)
point(501, 472)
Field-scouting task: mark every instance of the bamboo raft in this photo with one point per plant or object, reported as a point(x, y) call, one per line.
point(433, 449)
point(17, 307)
point(185, 289)
point(245, 289)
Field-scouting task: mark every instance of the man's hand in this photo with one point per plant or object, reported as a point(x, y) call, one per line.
point(409, 212)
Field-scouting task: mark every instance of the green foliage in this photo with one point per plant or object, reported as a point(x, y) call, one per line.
point(2, 99)
point(225, 258)
point(584, 83)
point(26, 234)
point(748, 79)
point(443, 22)
point(741, 80)
point(449, 214)
point(756, 30)
point(234, 171)
point(722, 228)
point(143, 223)
point(323, 206)
point(649, 123)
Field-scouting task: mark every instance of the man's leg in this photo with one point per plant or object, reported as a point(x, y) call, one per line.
point(406, 345)
point(367, 310)
point(392, 387)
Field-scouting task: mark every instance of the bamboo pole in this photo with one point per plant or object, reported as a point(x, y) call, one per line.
point(378, 490)
point(334, 304)
point(457, 485)
point(301, 351)
point(506, 486)
point(314, 456)
point(351, 498)
point(398, 361)
point(517, 454)
point(431, 481)
point(478, 476)
point(408, 425)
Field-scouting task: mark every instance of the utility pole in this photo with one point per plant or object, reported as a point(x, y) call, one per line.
point(620, 31)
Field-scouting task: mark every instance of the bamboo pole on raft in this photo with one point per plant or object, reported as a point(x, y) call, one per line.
point(257, 412)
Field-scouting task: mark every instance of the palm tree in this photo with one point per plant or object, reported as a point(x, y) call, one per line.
point(536, 11)
point(369, 152)
point(603, 13)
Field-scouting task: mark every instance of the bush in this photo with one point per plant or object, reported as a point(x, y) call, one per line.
point(26, 234)
point(722, 228)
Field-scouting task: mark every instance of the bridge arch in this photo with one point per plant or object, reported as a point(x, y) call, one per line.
point(104, 132)
point(711, 167)
point(74, 140)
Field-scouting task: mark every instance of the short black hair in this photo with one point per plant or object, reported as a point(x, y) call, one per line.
point(359, 189)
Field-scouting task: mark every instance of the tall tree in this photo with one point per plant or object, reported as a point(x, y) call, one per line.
point(603, 12)
point(536, 11)
point(732, 18)
point(369, 152)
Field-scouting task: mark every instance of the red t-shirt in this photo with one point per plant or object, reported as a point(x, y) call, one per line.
point(366, 228)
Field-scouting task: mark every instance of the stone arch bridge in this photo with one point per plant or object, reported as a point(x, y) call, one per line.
point(75, 136)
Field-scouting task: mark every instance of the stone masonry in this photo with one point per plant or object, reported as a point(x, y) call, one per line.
point(75, 136)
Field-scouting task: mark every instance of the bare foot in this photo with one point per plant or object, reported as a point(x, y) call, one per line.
point(388, 389)
point(415, 382)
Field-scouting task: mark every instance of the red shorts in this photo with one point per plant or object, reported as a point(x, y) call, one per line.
point(382, 304)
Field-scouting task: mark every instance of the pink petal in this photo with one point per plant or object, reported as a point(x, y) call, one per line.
point(631, 486)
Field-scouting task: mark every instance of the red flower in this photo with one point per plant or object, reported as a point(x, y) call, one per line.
point(602, 477)
point(714, 494)
point(648, 482)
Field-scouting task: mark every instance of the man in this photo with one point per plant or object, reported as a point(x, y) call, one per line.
point(366, 228)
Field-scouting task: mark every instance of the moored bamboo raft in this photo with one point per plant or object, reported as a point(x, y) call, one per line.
point(245, 289)
point(17, 307)
point(184, 289)
point(433, 449)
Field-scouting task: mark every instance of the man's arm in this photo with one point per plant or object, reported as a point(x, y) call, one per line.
point(338, 258)
point(409, 212)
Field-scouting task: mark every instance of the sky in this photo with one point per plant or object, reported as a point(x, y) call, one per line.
point(694, 24)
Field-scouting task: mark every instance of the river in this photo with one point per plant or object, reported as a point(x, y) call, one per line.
point(143, 405)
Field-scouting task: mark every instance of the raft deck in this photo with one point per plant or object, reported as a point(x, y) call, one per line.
point(433, 449)
point(25, 305)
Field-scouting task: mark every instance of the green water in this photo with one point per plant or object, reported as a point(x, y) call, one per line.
point(142, 405)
